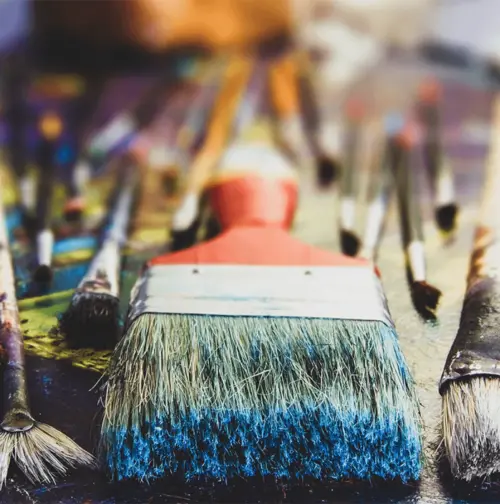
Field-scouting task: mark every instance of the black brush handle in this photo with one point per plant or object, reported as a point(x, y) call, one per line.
point(14, 97)
point(432, 149)
point(46, 160)
point(410, 219)
point(476, 349)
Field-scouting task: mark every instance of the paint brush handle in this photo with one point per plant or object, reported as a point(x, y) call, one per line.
point(106, 263)
point(476, 349)
point(350, 172)
point(379, 198)
point(252, 98)
point(11, 338)
point(411, 226)
point(485, 260)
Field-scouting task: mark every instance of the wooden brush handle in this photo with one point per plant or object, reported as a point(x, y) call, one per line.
point(11, 338)
point(485, 259)
point(476, 349)
point(236, 77)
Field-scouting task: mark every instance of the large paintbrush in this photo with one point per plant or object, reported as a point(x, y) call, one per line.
point(470, 384)
point(39, 450)
point(254, 354)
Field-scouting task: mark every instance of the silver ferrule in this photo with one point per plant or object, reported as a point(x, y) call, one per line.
point(349, 293)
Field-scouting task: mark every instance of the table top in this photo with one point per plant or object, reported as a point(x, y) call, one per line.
point(63, 386)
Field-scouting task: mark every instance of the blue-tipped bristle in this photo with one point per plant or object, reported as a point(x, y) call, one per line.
point(224, 397)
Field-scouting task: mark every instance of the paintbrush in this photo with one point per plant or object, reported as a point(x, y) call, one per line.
point(50, 129)
point(284, 92)
point(425, 296)
point(324, 136)
point(470, 382)
point(381, 189)
point(259, 355)
point(117, 133)
point(78, 166)
point(39, 450)
point(92, 318)
point(226, 120)
point(349, 182)
point(437, 164)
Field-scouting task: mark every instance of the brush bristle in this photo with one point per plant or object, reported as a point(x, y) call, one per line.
point(41, 453)
point(446, 217)
point(425, 298)
point(92, 320)
point(328, 170)
point(349, 243)
point(471, 427)
point(222, 397)
point(43, 274)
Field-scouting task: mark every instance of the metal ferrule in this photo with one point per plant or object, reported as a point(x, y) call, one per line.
point(348, 293)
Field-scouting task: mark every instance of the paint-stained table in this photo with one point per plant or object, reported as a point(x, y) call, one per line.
point(63, 383)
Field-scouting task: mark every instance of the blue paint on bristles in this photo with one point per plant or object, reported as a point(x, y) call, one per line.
point(337, 402)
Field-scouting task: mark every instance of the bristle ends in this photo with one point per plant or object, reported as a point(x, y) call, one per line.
point(349, 243)
point(74, 209)
point(43, 274)
point(92, 320)
point(425, 299)
point(328, 170)
point(183, 239)
point(228, 397)
point(41, 453)
point(446, 217)
point(471, 427)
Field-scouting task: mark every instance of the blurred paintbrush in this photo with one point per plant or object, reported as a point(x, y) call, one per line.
point(425, 296)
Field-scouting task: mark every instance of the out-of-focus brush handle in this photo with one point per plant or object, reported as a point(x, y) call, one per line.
point(437, 164)
point(412, 234)
point(379, 198)
point(349, 183)
point(476, 349)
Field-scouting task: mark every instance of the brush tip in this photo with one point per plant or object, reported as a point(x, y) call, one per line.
point(349, 243)
point(425, 298)
point(471, 427)
point(43, 274)
point(92, 320)
point(328, 170)
point(73, 210)
point(446, 217)
point(183, 239)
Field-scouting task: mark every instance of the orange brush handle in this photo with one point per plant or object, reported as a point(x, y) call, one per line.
point(284, 88)
point(254, 200)
point(259, 246)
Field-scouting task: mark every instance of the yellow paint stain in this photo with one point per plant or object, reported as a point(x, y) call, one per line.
point(39, 320)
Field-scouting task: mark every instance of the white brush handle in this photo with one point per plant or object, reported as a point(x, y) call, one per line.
point(106, 263)
point(187, 212)
point(44, 247)
point(347, 213)
point(445, 186)
point(7, 278)
point(27, 189)
point(113, 133)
